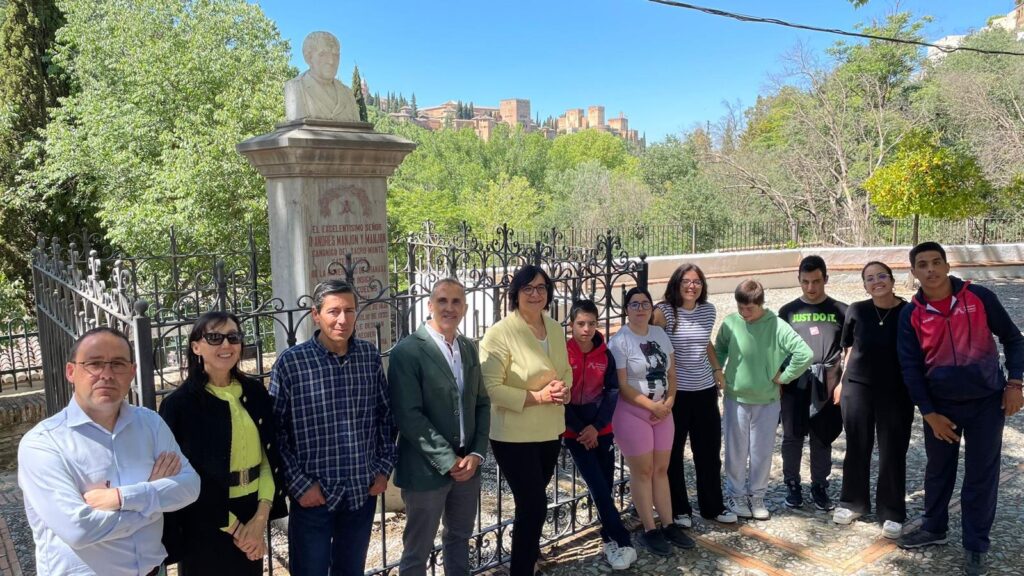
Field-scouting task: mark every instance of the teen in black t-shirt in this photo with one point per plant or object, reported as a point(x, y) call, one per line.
point(874, 398)
point(809, 405)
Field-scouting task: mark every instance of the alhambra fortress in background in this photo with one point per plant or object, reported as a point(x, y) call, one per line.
point(516, 112)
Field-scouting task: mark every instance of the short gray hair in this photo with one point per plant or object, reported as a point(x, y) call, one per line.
point(446, 281)
point(317, 40)
point(329, 288)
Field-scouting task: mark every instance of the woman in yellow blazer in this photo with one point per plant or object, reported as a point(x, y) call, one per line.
point(526, 371)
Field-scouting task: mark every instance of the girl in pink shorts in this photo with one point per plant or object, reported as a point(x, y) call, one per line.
point(642, 421)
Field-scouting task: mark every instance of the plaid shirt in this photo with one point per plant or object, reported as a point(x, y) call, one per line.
point(334, 420)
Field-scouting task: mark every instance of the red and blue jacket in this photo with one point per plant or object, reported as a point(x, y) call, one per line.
point(595, 388)
point(953, 357)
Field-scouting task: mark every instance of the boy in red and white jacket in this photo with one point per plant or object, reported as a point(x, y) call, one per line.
point(588, 433)
point(951, 367)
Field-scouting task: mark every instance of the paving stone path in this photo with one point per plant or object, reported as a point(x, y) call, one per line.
point(793, 542)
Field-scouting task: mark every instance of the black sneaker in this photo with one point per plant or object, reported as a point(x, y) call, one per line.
point(820, 496)
point(975, 563)
point(655, 541)
point(794, 494)
point(919, 538)
point(678, 537)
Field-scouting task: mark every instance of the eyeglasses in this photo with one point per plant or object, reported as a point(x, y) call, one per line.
point(216, 338)
point(881, 276)
point(634, 306)
point(692, 283)
point(530, 290)
point(96, 367)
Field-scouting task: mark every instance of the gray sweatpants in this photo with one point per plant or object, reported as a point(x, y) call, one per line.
point(749, 438)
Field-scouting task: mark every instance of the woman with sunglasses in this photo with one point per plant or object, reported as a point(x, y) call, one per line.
point(643, 419)
point(874, 399)
point(223, 423)
point(525, 368)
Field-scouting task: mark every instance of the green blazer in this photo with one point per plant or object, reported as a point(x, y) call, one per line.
point(425, 404)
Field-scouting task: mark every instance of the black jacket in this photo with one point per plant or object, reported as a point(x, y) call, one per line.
point(201, 424)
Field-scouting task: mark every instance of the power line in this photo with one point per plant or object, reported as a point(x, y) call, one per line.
point(777, 22)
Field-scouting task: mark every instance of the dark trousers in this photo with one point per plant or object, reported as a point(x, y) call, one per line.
point(884, 408)
point(696, 415)
point(218, 554)
point(980, 425)
point(597, 467)
point(527, 467)
point(456, 504)
point(796, 425)
point(322, 542)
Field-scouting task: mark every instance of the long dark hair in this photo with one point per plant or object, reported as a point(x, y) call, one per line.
point(196, 378)
point(673, 293)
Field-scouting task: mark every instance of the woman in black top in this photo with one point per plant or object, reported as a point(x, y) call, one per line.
point(873, 397)
point(216, 415)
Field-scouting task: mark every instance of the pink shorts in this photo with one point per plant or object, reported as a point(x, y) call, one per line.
point(636, 435)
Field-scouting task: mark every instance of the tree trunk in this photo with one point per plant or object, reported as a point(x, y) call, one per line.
point(914, 238)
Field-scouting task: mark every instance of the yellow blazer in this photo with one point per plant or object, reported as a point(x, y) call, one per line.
point(513, 361)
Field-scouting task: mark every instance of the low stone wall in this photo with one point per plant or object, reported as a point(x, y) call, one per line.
point(777, 268)
point(18, 414)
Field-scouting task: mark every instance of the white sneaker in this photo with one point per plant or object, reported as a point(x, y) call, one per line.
point(683, 521)
point(726, 517)
point(758, 509)
point(845, 516)
point(613, 554)
point(738, 507)
point(892, 530)
point(628, 554)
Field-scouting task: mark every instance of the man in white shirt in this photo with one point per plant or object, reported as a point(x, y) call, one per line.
point(443, 416)
point(98, 475)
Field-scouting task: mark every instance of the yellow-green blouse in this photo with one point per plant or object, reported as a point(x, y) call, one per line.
point(246, 450)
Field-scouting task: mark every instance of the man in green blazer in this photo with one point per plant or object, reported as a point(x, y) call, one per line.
point(443, 414)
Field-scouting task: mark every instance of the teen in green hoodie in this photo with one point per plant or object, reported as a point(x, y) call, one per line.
point(753, 345)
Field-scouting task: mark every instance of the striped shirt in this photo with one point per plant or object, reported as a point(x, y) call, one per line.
point(334, 420)
point(690, 340)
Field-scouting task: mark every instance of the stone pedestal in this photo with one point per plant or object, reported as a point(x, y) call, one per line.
point(327, 197)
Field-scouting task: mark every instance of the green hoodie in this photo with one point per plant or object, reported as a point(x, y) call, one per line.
point(755, 353)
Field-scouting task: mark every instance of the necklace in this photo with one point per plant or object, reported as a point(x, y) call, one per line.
point(882, 317)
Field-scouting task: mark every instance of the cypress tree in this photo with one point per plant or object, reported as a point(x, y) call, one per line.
point(357, 93)
point(414, 109)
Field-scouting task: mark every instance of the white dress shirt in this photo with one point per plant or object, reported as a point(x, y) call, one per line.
point(453, 355)
point(67, 455)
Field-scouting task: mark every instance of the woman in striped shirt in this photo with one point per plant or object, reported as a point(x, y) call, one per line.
point(688, 318)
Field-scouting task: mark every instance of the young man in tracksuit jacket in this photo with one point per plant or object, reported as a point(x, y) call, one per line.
point(588, 429)
point(951, 368)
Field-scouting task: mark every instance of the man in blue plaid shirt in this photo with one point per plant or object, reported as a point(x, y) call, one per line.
point(336, 436)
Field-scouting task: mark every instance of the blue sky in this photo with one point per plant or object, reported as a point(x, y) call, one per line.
point(666, 68)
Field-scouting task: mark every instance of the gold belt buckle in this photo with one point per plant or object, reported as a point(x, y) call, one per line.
point(243, 477)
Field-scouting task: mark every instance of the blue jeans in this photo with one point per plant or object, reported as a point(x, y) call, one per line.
point(597, 467)
point(322, 542)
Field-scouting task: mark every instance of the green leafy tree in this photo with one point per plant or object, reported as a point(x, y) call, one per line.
point(608, 150)
point(29, 86)
point(357, 93)
point(925, 178)
point(507, 200)
point(165, 92)
point(664, 163)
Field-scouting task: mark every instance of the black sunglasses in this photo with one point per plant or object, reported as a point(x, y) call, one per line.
point(216, 338)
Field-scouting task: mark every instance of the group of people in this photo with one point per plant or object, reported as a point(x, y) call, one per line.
point(114, 489)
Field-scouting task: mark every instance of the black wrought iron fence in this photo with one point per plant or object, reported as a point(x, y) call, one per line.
point(155, 299)
point(717, 236)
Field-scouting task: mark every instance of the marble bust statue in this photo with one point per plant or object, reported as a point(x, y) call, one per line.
point(316, 93)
